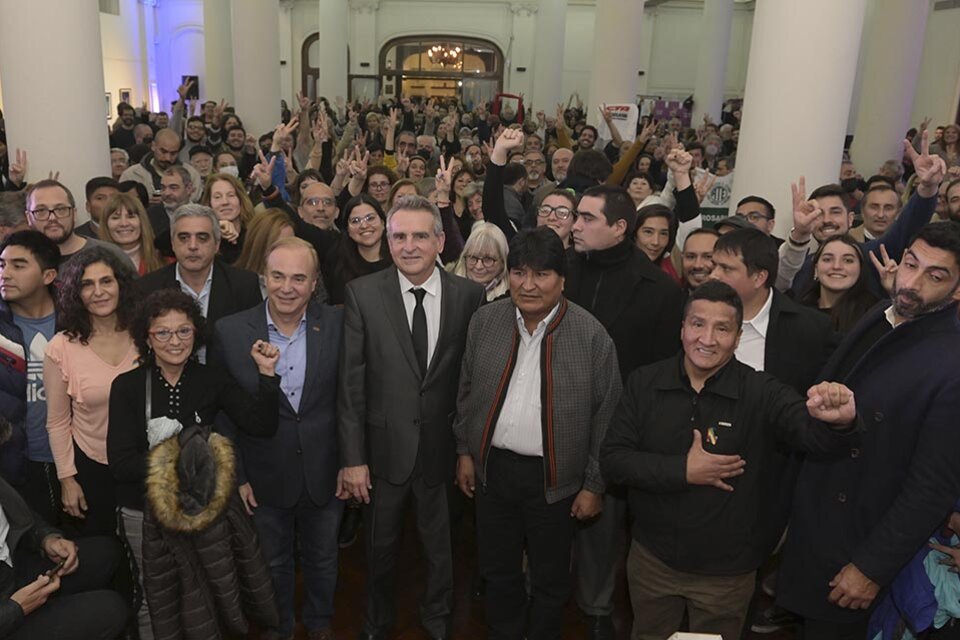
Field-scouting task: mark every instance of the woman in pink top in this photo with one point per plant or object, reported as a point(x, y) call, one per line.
point(96, 304)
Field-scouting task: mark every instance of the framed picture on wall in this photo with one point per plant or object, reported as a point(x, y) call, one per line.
point(109, 106)
point(125, 95)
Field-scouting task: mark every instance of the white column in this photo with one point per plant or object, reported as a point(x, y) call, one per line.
point(525, 23)
point(332, 49)
point(548, 54)
point(797, 98)
point(254, 27)
point(363, 41)
point(616, 56)
point(894, 48)
point(712, 62)
point(217, 81)
point(148, 49)
point(58, 42)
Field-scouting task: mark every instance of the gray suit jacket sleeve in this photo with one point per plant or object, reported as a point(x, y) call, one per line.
point(606, 392)
point(351, 402)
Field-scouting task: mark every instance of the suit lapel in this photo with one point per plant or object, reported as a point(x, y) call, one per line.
point(397, 315)
point(773, 343)
point(447, 307)
point(220, 294)
point(315, 330)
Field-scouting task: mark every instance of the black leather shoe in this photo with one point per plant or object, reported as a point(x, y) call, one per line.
point(600, 628)
point(350, 525)
point(478, 586)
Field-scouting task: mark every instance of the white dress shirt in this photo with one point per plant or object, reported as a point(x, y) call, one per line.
point(4, 532)
point(519, 427)
point(203, 301)
point(431, 306)
point(753, 341)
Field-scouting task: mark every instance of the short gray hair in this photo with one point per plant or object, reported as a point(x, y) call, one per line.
point(126, 156)
point(193, 210)
point(13, 208)
point(182, 171)
point(417, 203)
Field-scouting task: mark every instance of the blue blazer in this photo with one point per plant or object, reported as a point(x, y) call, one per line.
point(304, 451)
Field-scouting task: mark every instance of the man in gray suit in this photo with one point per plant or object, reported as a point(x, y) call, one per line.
point(288, 481)
point(403, 337)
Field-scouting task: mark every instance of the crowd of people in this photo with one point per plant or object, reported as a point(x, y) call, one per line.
point(259, 344)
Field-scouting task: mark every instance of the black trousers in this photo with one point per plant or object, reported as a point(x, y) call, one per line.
point(83, 608)
point(820, 630)
point(383, 525)
point(99, 491)
point(42, 491)
point(513, 514)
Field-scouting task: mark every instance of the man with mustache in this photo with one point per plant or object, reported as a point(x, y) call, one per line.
point(697, 257)
point(826, 214)
point(859, 518)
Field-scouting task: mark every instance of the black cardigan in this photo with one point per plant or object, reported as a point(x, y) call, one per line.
point(206, 391)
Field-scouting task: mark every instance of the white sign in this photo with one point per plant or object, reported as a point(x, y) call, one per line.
point(624, 118)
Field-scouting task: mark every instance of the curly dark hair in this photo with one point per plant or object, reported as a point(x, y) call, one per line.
point(159, 303)
point(73, 317)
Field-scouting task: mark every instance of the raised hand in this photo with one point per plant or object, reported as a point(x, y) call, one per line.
point(303, 101)
point(53, 175)
point(807, 214)
point(925, 123)
point(394, 117)
point(930, 168)
point(709, 469)
point(18, 168)
point(832, 402)
point(678, 161)
point(886, 268)
point(443, 181)
point(282, 131)
point(218, 111)
point(262, 172)
point(183, 89)
point(403, 163)
point(266, 356)
point(703, 185)
point(647, 132)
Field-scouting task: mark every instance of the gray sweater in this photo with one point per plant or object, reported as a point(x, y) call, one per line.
point(579, 389)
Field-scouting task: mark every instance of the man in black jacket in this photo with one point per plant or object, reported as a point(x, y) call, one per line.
point(859, 517)
point(696, 507)
point(44, 591)
point(639, 306)
point(219, 289)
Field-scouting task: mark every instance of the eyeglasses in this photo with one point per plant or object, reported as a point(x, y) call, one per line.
point(535, 163)
point(163, 335)
point(61, 211)
point(379, 185)
point(561, 212)
point(316, 202)
point(356, 221)
point(754, 217)
point(486, 261)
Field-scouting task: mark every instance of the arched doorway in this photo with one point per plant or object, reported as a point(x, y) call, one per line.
point(442, 66)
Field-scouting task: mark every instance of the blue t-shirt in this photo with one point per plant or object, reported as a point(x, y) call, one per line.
point(36, 334)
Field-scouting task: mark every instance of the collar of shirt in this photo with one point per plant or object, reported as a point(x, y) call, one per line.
point(891, 317)
point(724, 382)
point(431, 286)
point(272, 326)
point(541, 326)
point(762, 319)
point(206, 285)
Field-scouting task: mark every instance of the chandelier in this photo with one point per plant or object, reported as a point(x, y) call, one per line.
point(445, 55)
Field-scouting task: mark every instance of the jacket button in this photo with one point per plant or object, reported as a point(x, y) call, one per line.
point(878, 416)
point(854, 453)
point(298, 418)
point(299, 452)
point(416, 421)
point(841, 498)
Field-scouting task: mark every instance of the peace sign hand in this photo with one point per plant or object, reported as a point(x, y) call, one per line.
point(930, 168)
point(886, 268)
point(807, 214)
point(263, 171)
point(18, 168)
point(442, 181)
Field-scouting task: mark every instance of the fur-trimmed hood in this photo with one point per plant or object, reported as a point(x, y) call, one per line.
point(190, 479)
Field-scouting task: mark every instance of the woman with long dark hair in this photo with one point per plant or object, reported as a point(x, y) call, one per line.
point(839, 286)
point(96, 305)
point(655, 235)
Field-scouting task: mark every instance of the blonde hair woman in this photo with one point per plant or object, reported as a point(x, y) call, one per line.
point(229, 200)
point(484, 259)
point(125, 224)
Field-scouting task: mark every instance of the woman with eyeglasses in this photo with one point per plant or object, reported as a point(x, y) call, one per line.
point(96, 303)
point(379, 182)
point(171, 391)
point(484, 260)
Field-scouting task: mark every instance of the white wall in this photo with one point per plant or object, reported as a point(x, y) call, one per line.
point(122, 63)
point(938, 86)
